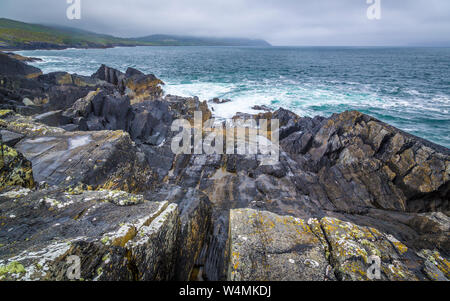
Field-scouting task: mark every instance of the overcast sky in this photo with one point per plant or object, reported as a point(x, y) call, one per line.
point(281, 22)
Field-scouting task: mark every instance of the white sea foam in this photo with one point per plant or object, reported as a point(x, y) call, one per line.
point(79, 141)
point(299, 86)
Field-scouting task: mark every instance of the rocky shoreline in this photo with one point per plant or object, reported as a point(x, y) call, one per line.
point(87, 170)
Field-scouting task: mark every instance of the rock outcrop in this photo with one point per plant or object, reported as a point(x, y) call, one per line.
point(265, 246)
point(111, 191)
point(135, 84)
point(13, 67)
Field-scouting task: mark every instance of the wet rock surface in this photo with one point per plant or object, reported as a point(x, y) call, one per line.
point(90, 172)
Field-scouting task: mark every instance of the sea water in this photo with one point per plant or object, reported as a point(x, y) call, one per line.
point(406, 87)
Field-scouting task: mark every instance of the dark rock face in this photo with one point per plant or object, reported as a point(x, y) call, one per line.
point(12, 67)
point(99, 111)
point(345, 188)
point(117, 236)
point(110, 75)
point(262, 108)
point(363, 163)
point(10, 138)
point(134, 83)
point(219, 101)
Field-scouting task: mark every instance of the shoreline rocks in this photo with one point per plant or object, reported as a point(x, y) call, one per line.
point(345, 188)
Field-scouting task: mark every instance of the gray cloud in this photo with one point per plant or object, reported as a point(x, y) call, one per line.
point(281, 22)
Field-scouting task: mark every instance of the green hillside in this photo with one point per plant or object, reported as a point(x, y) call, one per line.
point(20, 35)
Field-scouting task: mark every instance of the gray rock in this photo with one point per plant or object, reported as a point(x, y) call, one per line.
point(262, 108)
point(10, 138)
point(219, 101)
point(268, 247)
point(116, 236)
point(12, 67)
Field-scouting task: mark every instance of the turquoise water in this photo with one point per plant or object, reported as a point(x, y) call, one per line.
point(406, 87)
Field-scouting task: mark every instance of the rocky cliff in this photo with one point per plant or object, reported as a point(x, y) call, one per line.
point(87, 170)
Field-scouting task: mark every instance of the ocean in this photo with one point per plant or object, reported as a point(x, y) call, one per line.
point(408, 88)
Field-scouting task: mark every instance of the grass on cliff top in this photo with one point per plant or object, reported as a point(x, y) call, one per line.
point(15, 34)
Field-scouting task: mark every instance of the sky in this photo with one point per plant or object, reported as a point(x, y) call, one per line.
point(280, 22)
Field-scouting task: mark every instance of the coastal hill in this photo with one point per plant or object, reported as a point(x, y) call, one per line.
point(19, 35)
point(174, 40)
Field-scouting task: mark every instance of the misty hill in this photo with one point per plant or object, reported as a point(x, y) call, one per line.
point(20, 35)
point(174, 40)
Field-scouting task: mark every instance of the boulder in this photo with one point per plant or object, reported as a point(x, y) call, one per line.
point(106, 159)
point(219, 101)
point(110, 75)
point(140, 87)
point(133, 83)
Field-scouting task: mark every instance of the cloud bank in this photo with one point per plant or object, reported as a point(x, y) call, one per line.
point(281, 22)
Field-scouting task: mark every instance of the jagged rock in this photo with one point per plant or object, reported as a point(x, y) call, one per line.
point(133, 83)
point(117, 236)
point(110, 75)
point(13, 67)
point(39, 97)
point(219, 101)
point(26, 126)
point(261, 108)
point(268, 247)
point(361, 162)
point(351, 246)
point(139, 86)
point(100, 111)
point(13, 90)
point(265, 246)
point(108, 159)
point(195, 211)
point(10, 138)
point(52, 118)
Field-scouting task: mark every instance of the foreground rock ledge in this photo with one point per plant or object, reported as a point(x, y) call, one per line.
point(265, 246)
point(116, 235)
